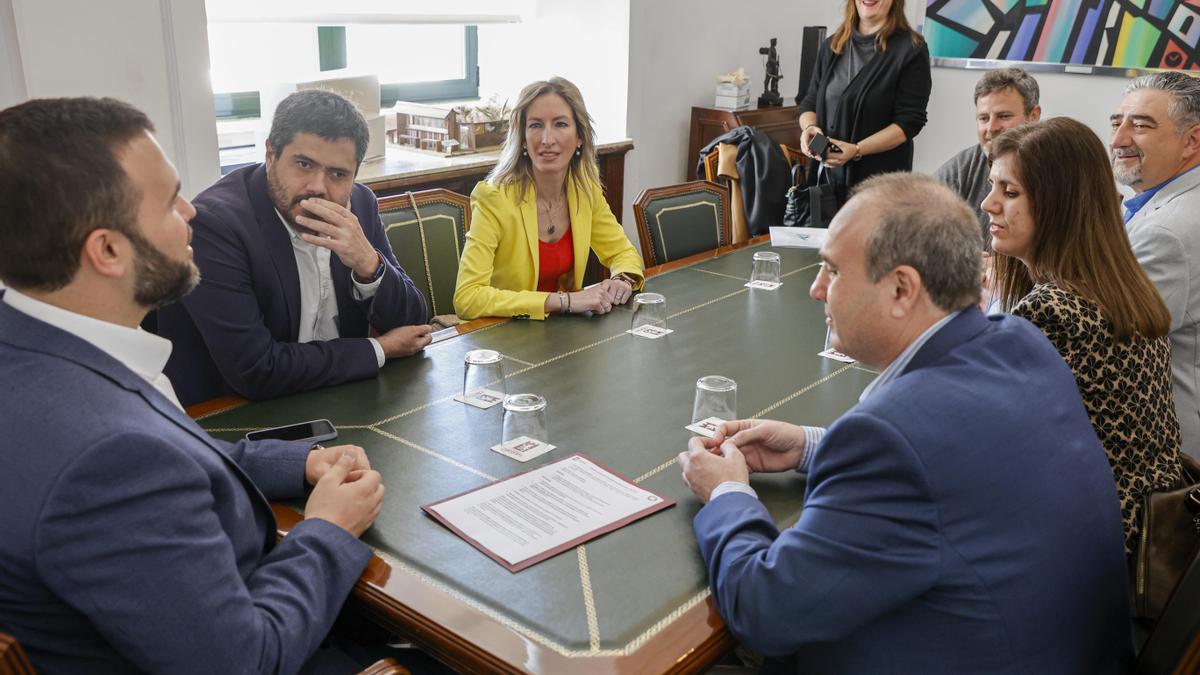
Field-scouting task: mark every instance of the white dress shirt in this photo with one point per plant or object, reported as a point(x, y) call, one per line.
point(318, 302)
point(144, 353)
point(813, 435)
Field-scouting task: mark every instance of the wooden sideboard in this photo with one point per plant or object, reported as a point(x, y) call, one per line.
point(781, 123)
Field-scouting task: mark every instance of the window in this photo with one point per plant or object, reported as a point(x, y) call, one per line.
point(417, 55)
point(414, 63)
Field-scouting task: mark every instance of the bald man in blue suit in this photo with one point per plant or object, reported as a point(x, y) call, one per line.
point(962, 518)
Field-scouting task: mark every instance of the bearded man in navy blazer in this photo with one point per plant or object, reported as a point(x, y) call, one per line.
point(962, 518)
point(130, 540)
point(296, 268)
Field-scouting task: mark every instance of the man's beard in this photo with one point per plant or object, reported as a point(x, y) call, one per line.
point(1128, 176)
point(158, 280)
point(286, 204)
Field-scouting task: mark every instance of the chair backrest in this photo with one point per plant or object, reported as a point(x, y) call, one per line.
point(710, 166)
point(1174, 644)
point(681, 220)
point(12, 658)
point(427, 231)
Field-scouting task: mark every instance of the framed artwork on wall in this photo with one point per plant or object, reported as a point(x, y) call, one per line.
point(1088, 36)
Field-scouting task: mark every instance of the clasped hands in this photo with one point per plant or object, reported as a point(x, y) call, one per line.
point(600, 298)
point(346, 491)
point(739, 448)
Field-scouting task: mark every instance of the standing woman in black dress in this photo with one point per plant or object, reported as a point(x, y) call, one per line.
point(868, 94)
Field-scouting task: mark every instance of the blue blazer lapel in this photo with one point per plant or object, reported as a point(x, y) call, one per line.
point(969, 323)
point(278, 246)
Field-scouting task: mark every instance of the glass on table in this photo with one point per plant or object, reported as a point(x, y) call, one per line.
point(649, 309)
point(766, 268)
point(524, 415)
point(716, 396)
point(483, 371)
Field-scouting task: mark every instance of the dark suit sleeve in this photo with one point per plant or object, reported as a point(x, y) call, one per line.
point(275, 467)
point(396, 302)
point(865, 544)
point(130, 537)
point(912, 92)
point(226, 311)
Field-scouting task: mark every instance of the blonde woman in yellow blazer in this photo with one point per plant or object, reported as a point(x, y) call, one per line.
point(545, 188)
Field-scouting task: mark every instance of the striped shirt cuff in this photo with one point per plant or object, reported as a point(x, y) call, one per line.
point(812, 439)
point(732, 486)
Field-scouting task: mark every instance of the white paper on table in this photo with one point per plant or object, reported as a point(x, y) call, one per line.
point(481, 398)
point(706, 427)
point(763, 285)
point(798, 237)
point(531, 516)
point(649, 331)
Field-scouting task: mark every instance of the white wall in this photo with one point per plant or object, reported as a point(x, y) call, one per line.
point(585, 41)
point(12, 80)
point(676, 50)
point(153, 54)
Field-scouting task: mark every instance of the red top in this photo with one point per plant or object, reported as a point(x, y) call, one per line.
point(555, 260)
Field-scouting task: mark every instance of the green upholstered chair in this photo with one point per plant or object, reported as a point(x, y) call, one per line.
point(681, 220)
point(427, 231)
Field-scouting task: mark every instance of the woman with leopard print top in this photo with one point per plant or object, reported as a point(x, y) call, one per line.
point(1064, 263)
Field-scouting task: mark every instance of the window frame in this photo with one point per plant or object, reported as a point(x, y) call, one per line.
point(440, 90)
point(247, 104)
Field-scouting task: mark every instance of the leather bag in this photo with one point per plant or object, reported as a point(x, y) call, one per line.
point(812, 205)
point(1169, 539)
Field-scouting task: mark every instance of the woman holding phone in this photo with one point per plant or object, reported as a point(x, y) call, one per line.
point(867, 97)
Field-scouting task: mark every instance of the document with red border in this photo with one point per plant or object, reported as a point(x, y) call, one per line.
point(523, 520)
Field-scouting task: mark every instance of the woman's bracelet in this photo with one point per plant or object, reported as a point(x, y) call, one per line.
point(564, 302)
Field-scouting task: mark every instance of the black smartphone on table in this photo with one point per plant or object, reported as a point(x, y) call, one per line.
point(313, 431)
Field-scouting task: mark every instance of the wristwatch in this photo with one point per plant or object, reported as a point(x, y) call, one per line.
point(378, 270)
point(375, 276)
point(621, 276)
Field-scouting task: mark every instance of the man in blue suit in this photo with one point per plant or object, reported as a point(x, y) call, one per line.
point(962, 518)
point(296, 268)
point(131, 540)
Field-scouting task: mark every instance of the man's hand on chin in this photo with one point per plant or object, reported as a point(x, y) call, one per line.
point(704, 469)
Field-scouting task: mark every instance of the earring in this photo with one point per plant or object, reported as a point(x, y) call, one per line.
point(524, 152)
point(579, 152)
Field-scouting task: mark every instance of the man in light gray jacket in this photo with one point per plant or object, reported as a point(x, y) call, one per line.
point(1155, 147)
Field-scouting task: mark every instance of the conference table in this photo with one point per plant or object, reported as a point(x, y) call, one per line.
point(635, 600)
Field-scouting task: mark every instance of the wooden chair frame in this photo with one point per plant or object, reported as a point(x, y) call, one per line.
point(421, 199)
point(649, 194)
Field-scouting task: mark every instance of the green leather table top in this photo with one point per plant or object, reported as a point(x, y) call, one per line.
point(619, 399)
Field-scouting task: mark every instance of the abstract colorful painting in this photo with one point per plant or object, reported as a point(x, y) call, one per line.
point(1117, 33)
